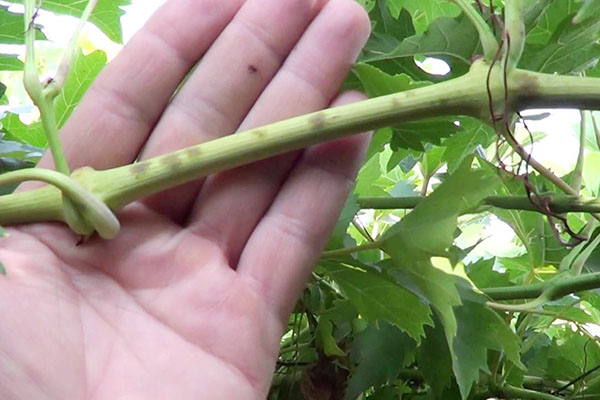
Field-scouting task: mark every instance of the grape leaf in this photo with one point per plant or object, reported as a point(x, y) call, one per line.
point(480, 329)
point(470, 134)
point(549, 20)
point(453, 40)
point(434, 359)
point(424, 12)
point(378, 298)
point(84, 70)
point(13, 28)
point(429, 229)
point(570, 48)
point(379, 354)
point(10, 63)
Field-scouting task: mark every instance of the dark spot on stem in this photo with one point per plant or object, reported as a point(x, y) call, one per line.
point(252, 69)
point(172, 161)
point(139, 168)
point(317, 121)
point(530, 87)
point(193, 152)
point(259, 133)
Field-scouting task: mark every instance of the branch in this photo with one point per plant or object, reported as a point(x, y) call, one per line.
point(486, 36)
point(554, 289)
point(465, 95)
point(559, 204)
point(513, 392)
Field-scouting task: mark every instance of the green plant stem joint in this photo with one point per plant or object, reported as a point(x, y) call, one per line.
point(465, 95)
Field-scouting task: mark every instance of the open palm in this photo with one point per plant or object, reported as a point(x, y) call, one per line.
point(189, 301)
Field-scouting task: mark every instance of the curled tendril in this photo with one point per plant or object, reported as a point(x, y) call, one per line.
point(89, 215)
point(542, 299)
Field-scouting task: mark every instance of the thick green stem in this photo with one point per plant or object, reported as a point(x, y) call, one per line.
point(486, 36)
point(37, 92)
point(100, 217)
point(558, 204)
point(55, 86)
point(350, 250)
point(48, 117)
point(513, 392)
point(577, 176)
point(596, 130)
point(466, 95)
point(515, 31)
point(562, 287)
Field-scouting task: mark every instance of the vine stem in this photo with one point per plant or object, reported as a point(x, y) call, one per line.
point(55, 86)
point(465, 95)
point(558, 204)
point(99, 216)
point(577, 175)
point(486, 36)
point(514, 26)
point(351, 250)
point(37, 92)
point(555, 290)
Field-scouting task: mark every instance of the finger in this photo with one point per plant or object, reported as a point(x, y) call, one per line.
point(285, 245)
point(231, 204)
point(225, 85)
point(128, 97)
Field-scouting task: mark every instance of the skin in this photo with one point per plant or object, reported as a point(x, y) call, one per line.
point(191, 298)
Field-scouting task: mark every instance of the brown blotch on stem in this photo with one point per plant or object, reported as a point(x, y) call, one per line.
point(259, 133)
point(172, 161)
point(193, 151)
point(317, 121)
point(139, 168)
point(529, 87)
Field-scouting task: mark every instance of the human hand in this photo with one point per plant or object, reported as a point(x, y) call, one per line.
point(190, 300)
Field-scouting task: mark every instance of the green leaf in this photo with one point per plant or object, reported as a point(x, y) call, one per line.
point(429, 229)
point(471, 134)
point(83, 72)
point(10, 63)
point(379, 354)
point(2, 268)
point(432, 161)
point(378, 298)
point(378, 83)
point(479, 330)
point(13, 28)
point(483, 275)
point(106, 15)
point(434, 359)
point(326, 339)
point(424, 12)
point(569, 49)
point(338, 236)
point(453, 40)
point(413, 135)
point(32, 134)
point(549, 21)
